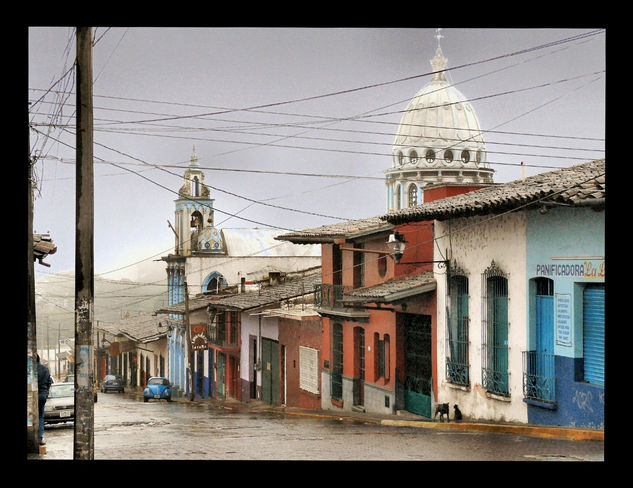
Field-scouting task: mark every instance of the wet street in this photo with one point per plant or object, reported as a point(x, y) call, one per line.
point(126, 428)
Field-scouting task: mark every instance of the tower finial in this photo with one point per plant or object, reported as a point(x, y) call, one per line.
point(438, 36)
point(194, 159)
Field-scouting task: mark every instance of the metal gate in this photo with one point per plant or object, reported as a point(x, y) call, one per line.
point(359, 382)
point(417, 364)
point(593, 326)
point(336, 386)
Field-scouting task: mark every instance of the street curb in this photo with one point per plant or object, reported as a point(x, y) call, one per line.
point(535, 431)
point(529, 430)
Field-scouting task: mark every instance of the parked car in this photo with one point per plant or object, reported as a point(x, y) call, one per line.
point(157, 387)
point(70, 378)
point(112, 382)
point(60, 404)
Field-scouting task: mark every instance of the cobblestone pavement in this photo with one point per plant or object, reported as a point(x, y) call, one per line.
point(126, 428)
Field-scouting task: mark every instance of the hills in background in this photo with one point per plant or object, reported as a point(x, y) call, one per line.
point(139, 289)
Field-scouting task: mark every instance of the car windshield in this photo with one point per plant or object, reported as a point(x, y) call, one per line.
point(158, 381)
point(110, 378)
point(60, 391)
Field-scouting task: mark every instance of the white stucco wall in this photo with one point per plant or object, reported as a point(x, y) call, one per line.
point(474, 242)
point(233, 268)
point(250, 326)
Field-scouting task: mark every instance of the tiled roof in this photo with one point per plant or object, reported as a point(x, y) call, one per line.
point(329, 233)
point(393, 289)
point(139, 327)
point(268, 294)
point(582, 184)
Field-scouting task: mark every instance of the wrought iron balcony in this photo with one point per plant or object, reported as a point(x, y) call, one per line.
point(219, 337)
point(539, 377)
point(329, 296)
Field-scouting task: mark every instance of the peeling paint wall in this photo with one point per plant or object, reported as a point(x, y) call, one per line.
point(474, 243)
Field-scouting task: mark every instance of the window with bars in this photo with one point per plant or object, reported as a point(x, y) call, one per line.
point(457, 343)
point(494, 341)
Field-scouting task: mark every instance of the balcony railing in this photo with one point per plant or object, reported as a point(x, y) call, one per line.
point(329, 296)
point(539, 376)
point(219, 337)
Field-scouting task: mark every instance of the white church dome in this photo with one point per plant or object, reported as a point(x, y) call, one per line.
point(439, 141)
point(439, 127)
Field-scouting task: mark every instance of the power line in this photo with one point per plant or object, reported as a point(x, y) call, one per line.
point(375, 85)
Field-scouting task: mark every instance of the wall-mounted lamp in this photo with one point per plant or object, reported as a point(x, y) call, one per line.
point(396, 245)
point(162, 328)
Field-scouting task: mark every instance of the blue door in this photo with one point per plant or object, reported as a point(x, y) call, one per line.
point(544, 324)
point(543, 371)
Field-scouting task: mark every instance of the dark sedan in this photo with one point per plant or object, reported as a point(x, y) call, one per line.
point(112, 383)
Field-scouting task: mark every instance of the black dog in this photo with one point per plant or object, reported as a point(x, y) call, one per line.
point(458, 412)
point(442, 409)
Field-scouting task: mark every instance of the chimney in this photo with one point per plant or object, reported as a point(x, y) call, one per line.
point(274, 277)
point(243, 285)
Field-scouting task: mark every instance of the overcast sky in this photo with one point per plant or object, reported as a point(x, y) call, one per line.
point(158, 92)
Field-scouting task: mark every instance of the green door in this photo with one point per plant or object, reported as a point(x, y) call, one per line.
point(270, 371)
point(417, 364)
point(221, 374)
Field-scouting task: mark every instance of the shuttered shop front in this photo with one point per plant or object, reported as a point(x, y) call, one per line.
point(593, 331)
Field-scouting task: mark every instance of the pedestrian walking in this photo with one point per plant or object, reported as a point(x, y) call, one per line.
point(44, 382)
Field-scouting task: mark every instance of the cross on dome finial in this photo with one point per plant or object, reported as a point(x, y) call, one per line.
point(438, 36)
point(438, 63)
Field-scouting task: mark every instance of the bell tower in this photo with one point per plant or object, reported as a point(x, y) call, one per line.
point(194, 228)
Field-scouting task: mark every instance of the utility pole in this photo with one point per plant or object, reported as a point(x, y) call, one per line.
point(84, 254)
point(189, 345)
point(59, 325)
point(48, 347)
point(32, 420)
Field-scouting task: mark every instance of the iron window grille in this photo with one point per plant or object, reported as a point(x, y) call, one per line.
point(494, 341)
point(539, 379)
point(457, 321)
point(539, 375)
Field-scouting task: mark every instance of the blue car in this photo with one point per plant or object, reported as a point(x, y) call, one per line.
point(157, 387)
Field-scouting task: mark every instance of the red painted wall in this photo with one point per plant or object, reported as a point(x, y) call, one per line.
point(448, 191)
point(306, 332)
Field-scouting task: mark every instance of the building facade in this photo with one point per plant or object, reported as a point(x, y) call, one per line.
point(521, 304)
point(209, 260)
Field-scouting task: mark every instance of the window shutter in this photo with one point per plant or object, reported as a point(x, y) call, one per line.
point(593, 324)
point(309, 369)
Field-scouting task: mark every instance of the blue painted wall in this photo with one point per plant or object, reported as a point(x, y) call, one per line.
point(566, 245)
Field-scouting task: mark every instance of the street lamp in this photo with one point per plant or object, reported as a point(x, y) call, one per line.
point(169, 328)
point(396, 245)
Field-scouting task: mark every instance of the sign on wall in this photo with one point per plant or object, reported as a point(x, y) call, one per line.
point(590, 270)
point(563, 319)
point(199, 341)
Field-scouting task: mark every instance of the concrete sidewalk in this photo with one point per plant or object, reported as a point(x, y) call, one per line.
point(402, 419)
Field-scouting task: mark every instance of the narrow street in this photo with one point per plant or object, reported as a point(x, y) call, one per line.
point(126, 428)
